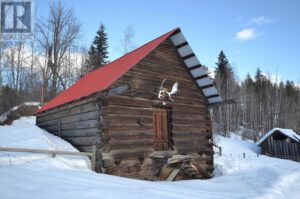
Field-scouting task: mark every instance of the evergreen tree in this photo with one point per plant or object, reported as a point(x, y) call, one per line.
point(222, 64)
point(98, 53)
point(224, 75)
point(225, 82)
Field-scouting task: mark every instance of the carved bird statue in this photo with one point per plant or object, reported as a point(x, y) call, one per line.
point(165, 92)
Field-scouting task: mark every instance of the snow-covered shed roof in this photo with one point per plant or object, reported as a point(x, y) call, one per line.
point(287, 132)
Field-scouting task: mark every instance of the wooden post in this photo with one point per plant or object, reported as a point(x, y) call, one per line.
point(275, 148)
point(93, 161)
point(244, 155)
point(59, 127)
point(220, 151)
point(173, 175)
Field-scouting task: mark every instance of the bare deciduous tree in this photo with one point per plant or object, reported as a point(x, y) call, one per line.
point(127, 43)
point(57, 34)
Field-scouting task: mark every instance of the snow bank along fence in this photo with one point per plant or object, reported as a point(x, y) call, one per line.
point(53, 153)
point(242, 155)
point(282, 149)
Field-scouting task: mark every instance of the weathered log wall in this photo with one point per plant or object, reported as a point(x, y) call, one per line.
point(78, 122)
point(121, 125)
point(128, 137)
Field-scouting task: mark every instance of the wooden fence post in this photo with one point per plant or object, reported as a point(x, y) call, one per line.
point(59, 127)
point(93, 161)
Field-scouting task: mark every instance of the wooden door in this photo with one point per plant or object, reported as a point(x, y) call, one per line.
point(161, 135)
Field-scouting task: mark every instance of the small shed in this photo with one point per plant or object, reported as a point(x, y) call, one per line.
point(281, 143)
point(143, 111)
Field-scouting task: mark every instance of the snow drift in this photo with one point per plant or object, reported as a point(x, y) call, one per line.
point(24, 134)
point(45, 177)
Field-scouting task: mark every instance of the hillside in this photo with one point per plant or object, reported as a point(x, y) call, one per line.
point(40, 176)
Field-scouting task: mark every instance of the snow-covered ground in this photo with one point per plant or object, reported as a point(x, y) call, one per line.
point(40, 176)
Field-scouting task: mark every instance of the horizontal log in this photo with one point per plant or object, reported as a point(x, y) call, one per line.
point(51, 129)
point(81, 117)
point(147, 119)
point(198, 127)
point(130, 144)
point(81, 125)
point(184, 119)
point(48, 123)
point(173, 64)
point(165, 57)
point(80, 133)
point(131, 135)
point(88, 107)
point(204, 134)
point(83, 141)
point(70, 105)
point(195, 142)
point(119, 109)
point(115, 118)
point(190, 120)
point(142, 102)
point(90, 124)
point(126, 153)
point(85, 148)
point(176, 98)
point(155, 81)
point(130, 125)
point(168, 75)
point(129, 128)
point(93, 115)
point(126, 110)
point(144, 67)
point(175, 131)
point(192, 149)
point(128, 101)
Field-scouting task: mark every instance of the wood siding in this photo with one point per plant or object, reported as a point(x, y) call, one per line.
point(128, 117)
point(281, 148)
point(121, 126)
point(79, 123)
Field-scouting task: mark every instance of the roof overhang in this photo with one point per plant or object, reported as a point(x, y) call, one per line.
point(197, 71)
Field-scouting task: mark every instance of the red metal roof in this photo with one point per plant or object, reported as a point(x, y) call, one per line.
point(101, 78)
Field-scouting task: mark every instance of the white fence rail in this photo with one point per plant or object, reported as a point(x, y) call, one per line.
point(53, 153)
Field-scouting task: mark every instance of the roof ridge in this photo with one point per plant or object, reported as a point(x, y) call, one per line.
point(123, 56)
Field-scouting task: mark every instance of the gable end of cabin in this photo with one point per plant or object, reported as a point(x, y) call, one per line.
point(134, 119)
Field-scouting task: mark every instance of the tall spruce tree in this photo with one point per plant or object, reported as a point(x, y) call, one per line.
point(98, 53)
point(223, 75)
point(225, 82)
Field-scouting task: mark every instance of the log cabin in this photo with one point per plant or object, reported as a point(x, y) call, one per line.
point(143, 111)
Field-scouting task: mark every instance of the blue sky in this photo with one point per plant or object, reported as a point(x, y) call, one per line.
point(252, 34)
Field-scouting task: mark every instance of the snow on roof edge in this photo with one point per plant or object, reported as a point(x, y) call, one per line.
point(287, 132)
